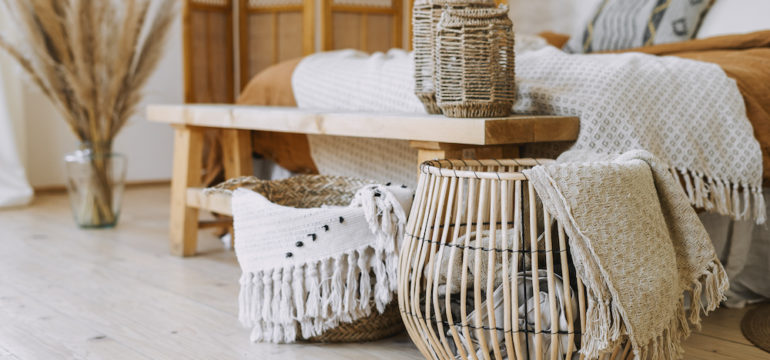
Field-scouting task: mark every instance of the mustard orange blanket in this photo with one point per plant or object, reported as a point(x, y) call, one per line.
point(745, 58)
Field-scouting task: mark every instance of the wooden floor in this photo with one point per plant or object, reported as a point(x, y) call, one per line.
point(66, 293)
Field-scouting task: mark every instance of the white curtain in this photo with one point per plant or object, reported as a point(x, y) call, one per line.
point(14, 187)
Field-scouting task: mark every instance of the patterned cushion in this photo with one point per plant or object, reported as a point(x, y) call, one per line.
point(625, 24)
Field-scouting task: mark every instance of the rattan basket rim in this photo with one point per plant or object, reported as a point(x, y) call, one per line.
point(453, 168)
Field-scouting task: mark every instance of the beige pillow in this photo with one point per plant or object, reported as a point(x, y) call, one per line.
point(625, 24)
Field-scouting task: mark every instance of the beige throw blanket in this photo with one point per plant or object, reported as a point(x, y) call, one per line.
point(638, 246)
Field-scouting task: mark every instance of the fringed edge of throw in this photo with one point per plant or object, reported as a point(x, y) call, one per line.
point(740, 201)
point(605, 330)
point(309, 299)
point(705, 294)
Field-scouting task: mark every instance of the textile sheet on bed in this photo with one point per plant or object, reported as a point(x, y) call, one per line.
point(745, 58)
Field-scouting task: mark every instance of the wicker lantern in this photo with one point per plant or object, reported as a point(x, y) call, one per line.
point(425, 17)
point(475, 63)
point(484, 272)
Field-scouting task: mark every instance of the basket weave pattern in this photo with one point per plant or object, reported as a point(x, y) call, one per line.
point(484, 272)
point(425, 18)
point(423, 40)
point(475, 63)
point(374, 327)
point(303, 191)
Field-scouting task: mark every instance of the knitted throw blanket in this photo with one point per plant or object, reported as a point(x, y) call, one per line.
point(689, 114)
point(638, 246)
point(308, 269)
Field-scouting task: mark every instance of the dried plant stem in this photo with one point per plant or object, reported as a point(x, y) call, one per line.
point(91, 59)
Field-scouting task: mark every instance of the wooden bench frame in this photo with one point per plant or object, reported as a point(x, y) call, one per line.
point(434, 136)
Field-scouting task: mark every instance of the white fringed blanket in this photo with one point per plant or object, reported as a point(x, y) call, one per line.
point(687, 113)
point(637, 245)
point(307, 270)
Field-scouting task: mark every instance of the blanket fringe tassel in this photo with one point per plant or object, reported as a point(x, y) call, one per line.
point(740, 201)
point(309, 299)
point(313, 297)
point(608, 331)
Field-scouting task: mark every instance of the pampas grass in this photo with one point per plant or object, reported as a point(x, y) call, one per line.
point(91, 58)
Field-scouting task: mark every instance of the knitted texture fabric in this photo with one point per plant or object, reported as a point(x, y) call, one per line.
point(687, 113)
point(305, 270)
point(347, 74)
point(638, 246)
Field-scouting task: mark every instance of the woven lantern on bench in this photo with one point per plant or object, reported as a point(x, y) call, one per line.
point(484, 272)
point(425, 17)
point(475, 63)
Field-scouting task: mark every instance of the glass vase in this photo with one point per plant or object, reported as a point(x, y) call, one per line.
point(95, 181)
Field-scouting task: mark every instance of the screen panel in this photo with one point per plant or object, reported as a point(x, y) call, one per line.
point(272, 31)
point(208, 48)
point(368, 25)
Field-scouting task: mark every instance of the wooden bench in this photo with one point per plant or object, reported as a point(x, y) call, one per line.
point(434, 136)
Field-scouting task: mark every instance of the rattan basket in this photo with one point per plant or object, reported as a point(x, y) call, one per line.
point(317, 191)
point(374, 327)
point(475, 63)
point(425, 17)
point(476, 236)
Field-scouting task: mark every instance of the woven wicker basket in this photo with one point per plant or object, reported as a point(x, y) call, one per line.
point(376, 326)
point(476, 235)
point(425, 17)
point(304, 191)
point(475, 63)
point(315, 191)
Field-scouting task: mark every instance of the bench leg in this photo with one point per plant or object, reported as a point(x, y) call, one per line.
point(188, 153)
point(236, 153)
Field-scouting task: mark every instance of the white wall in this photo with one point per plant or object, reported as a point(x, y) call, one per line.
point(148, 146)
point(735, 17)
point(562, 16)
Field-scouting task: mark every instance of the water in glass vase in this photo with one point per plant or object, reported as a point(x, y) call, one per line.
point(95, 181)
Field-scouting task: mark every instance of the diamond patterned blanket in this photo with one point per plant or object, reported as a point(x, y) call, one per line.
point(687, 113)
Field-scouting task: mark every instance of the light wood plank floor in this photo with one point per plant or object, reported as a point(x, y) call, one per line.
point(66, 293)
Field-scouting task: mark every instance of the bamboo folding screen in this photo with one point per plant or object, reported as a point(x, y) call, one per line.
point(368, 25)
point(208, 51)
point(267, 32)
point(271, 31)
